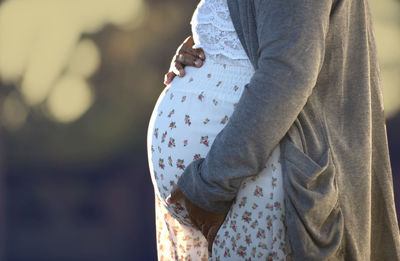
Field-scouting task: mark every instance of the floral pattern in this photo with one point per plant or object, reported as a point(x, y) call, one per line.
point(188, 115)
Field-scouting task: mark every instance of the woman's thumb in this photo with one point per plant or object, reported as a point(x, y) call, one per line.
point(212, 233)
point(176, 194)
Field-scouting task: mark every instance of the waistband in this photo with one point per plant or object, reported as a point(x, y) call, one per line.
point(221, 78)
point(220, 58)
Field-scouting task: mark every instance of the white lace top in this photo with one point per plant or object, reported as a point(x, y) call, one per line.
point(213, 30)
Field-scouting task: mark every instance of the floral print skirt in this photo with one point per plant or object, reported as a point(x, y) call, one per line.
point(187, 116)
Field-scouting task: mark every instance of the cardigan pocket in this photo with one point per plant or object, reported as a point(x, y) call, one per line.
point(313, 215)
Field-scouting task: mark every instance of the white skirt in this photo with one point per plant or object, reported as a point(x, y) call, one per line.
point(187, 116)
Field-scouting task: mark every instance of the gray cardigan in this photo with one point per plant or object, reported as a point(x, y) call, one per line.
point(316, 92)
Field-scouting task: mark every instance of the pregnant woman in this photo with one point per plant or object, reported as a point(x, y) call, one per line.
point(188, 115)
point(275, 148)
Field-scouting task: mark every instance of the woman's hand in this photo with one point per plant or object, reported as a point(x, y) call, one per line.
point(207, 222)
point(185, 55)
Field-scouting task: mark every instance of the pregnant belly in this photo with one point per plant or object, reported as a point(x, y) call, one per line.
point(188, 115)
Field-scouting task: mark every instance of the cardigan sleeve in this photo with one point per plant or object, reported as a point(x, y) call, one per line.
point(291, 38)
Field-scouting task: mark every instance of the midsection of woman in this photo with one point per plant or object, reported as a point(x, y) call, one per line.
point(188, 115)
point(192, 110)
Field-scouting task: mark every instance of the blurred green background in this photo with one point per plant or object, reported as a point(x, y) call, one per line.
point(78, 82)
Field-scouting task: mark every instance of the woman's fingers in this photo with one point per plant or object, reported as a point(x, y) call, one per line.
point(169, 76)
point(187, 47)
point(185, 55)
point(200, 53)
point(212, 233)
point(189, 41)
point(196, 53)
point(188, 59)
point(205, 228)
point(177, 68)
point(175, 196)
point(207, 222)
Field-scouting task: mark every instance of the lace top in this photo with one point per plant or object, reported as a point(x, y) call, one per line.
point(213, 30)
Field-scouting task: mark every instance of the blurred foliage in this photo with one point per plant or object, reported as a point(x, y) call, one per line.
point(126, 84)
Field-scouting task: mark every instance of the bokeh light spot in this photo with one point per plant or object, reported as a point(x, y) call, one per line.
point(85, 60)
point(13, 113)
point(70, 99)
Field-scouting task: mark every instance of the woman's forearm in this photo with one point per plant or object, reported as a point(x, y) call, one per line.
point(291, 37)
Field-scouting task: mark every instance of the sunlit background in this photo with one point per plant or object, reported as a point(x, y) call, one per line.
point(78, 82)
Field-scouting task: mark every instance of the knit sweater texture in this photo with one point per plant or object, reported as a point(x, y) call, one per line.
point(317, 92)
